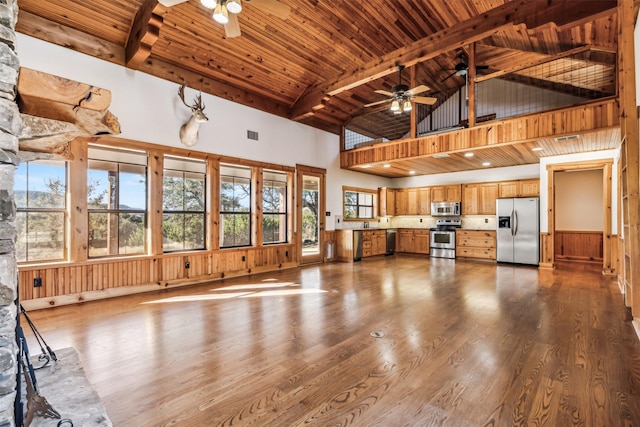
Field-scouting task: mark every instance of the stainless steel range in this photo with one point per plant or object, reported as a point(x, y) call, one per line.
point(443, 238)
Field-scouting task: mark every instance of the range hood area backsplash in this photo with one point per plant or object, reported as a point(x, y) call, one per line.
point(469, 222)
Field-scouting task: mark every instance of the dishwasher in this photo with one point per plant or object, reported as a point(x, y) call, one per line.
point(357, 245)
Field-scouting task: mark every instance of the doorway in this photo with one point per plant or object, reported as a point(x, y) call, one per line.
point(575, 237)
point(310, 218)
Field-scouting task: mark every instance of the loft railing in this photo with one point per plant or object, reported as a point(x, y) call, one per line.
point(559, 83)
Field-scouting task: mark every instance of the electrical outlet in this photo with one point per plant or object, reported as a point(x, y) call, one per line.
point(286, 253)
point(37, 282)
point(187, 264)
point(486, 220)
point(420, 219)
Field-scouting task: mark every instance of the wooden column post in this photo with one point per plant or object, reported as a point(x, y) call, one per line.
point(78, 214)
point(629, 149)
point(414, 122)
point(471, 86)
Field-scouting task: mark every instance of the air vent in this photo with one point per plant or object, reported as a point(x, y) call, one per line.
point(252, 134)
point(440, 156)
point(566, 138)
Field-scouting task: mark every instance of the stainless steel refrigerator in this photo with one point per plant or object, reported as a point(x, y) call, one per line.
point(518, 233)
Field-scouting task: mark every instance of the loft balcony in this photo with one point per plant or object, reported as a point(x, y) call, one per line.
point(565, 105)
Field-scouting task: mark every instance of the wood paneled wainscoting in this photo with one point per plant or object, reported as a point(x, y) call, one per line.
point(585, 246)
point(68, 283)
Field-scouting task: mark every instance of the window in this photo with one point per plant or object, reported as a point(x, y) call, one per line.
point(40, 195)
point(235, 206)
point(117, 201)
point(183, 204)
point(358, 203)
point(274, 207)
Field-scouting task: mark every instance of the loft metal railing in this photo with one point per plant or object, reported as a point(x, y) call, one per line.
point(559, 83)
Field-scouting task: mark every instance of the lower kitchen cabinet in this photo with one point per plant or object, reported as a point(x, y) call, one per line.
point(479, 244)
point(374, 242)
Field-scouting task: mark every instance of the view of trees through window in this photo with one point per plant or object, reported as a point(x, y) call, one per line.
point(310, 213)
point(40, 194)
point(117, 200)
point(274, 208)
point(183, 205)
point(358, 205)
point(235, 206)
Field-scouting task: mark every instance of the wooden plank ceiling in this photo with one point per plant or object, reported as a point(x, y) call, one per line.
point(322, 63)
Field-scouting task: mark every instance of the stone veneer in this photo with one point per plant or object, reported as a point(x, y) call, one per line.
point(10, 124)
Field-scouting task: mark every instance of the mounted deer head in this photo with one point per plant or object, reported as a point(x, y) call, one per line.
point(189, 130)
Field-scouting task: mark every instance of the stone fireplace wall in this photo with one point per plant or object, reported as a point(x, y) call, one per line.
point(10, 125)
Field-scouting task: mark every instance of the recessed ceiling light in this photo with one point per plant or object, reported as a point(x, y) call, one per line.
point(441, 155)
point(469, 154)
point(412, 172)
point(486, 164)
point(387, 165)
point(537, 149)
point(366, 166)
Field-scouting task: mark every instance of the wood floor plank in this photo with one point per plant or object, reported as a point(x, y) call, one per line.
point(465, 344)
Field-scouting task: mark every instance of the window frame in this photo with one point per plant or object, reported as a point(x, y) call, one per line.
point(113, 156)
point(358, 205)
point(283, 212)
point(234, 213)
point(194, 167)
point(36, 210)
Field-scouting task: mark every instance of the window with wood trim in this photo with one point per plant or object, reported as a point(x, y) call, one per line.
point(235, 206)
point(183, 204)
point(116, 201)
point(274, 207)
point(40, 195)
point(359, 203)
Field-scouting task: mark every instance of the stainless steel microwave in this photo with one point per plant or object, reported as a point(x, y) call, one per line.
point(445, 208)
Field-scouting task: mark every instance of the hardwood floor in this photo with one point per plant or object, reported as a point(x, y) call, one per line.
point(465, 344)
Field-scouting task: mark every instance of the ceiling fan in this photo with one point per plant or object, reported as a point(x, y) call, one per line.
point(226, 12)
point(462, 67)
point(401, 96)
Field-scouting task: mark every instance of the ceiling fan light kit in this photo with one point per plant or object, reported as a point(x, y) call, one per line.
point(222, 8)
point(401, 97)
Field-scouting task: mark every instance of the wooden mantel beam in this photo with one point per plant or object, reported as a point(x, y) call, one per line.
point(144, 32)
point(532, 13)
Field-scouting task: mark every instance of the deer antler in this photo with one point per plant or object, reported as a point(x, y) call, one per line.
point(198, 105)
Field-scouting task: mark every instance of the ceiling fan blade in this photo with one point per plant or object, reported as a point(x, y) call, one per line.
point(232, 28)
point(449, 76)
point(424, 100)
point(273, 7)
point(418, 89)
point(378, 103)
point(482, 67)
point(383, 92)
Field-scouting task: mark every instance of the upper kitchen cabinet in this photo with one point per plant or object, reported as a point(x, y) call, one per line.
point(386, 201)
point(479, 199)
point(412, 201)
point(424, 201)
point(446, 193)
point(520, 188)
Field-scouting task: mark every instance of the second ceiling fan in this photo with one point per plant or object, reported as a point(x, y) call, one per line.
point(401, 96)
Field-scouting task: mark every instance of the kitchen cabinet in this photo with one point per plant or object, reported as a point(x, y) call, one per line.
point(446, 193)
point(487, 195)
point(405, 241)
point(421, 241)
point(374, 242)
point(519, 188)
point(479, 199)
point(402, 202)
point(386, 201)
point(413, 240)
point(470, 199)
point(424, 201)
point(479, 244)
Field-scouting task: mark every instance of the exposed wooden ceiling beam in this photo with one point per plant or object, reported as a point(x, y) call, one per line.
point(522, 66)
point(144, 32)
point(532, 13)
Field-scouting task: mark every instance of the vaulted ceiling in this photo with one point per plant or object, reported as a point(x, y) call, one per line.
point(319, 62)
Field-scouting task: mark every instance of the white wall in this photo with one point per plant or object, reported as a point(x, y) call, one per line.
point(576, 194)
point(149, 110)
point(572, 158)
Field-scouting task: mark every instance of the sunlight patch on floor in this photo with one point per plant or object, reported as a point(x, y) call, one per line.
point(253, 290)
